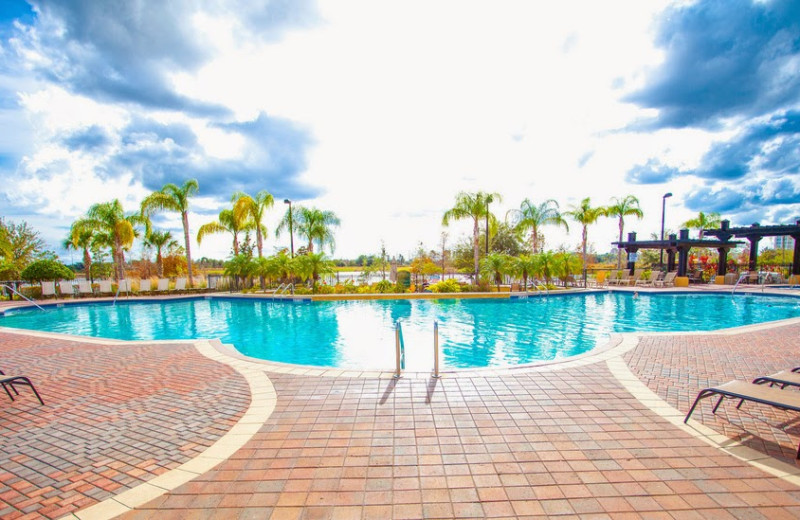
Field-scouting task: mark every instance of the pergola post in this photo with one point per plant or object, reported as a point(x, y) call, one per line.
point(631, 250)
point(671, 253)
point(683, 254)
point(796, 260)
point(722, 267)
point(754, 240)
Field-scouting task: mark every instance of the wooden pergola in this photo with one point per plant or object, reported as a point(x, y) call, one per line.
point(677, 245)
point(755, 233)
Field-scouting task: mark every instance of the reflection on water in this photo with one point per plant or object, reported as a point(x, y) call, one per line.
point(360, 334)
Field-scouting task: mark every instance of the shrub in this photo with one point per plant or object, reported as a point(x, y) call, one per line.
point(446, 286)
point(384, 286)
point(47, 270)
point(325, 289)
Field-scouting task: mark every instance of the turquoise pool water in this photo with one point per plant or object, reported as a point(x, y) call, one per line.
point(360, 334)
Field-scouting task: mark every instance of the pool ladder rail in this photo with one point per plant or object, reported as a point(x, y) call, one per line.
point(400, 350)
point(22, 296)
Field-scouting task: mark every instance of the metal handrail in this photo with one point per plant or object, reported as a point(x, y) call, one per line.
point(22, 296)
point(741, 277)
point(399, 350)
point(436, 349)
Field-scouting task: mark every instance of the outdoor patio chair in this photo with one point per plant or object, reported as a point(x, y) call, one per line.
point(180, 284)
point(65, 287)
point(9, 383)
point(783, 378)
point(668, 280)
point(636, 276)
point(624, 278)
point(163, 284)
point(85, 288)
point(144, 285)
point(650, 280)
point(48, 288)
point(105, 287)
point(749, 392)
point(124, 286)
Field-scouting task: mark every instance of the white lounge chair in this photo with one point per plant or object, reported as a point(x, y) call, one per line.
point(144, 285)
point(124, 286)
point(180, 284)
point(669, 280)
point(105, 287)
point(651, 280)
point(48, 288)
point(85, 288)
point(65, 288)
point(163, 284)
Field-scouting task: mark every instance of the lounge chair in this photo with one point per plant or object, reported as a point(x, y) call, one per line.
point(48, 288)
point(601, 279)
point(65, 287)
point(10, 382)
point(749, 392)
point(783, 378)
point(124, 286)
point(85, 288)
point(163, 284)
point(651, 280)
point(637, 275)
point(624, 278)
point(105, 287)
point(180, 284)
point(668, 280)
point(144, 285)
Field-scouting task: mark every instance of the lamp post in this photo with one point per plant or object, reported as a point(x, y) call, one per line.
point(663, 211)
point(291, 231)
point(487, 225)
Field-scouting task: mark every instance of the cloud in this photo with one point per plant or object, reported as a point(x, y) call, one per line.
point(585, 158)
point(652, 172)
point(724, 58)
point(88, 139)
point(122, 51)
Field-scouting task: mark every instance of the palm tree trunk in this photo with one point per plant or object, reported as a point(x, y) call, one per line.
point(259, 242)
point(585, 236)
point(160, 263)
point(185, 218)
point(236, 244)
point(310, 245)
point(619, 251)
point(534, 240)
point(87, 263)
point(475, 246)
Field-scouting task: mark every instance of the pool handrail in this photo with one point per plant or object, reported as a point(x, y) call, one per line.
point(400, 350)
point(21, 295)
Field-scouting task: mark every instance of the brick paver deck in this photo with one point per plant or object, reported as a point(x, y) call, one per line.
point(535, 442)
point(114, 416)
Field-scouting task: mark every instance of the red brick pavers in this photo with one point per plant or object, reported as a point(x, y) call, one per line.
point(678, 367)
point(525, 444)
point(115, 415)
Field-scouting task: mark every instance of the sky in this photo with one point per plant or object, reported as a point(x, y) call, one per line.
point(383, 111)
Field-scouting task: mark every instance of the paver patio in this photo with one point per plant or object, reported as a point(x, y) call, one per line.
point(557, 440)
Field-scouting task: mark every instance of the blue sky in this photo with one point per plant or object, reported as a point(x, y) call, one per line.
point(382, 111)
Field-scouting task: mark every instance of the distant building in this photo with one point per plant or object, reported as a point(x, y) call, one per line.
point(783, 242)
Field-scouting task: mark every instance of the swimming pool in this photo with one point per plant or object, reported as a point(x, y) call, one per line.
point(359, 334)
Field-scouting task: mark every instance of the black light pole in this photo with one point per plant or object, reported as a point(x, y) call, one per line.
point(663, 210)
point(291, 231)
point(487, 225)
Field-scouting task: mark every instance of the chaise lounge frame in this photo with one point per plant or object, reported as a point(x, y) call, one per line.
point(745, 391)
point(10, 382)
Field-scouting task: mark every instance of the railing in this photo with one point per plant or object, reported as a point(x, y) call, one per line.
point(22, 296)
point(741, 277)
point(282, 288)
point(399, 349)
point(436, 349)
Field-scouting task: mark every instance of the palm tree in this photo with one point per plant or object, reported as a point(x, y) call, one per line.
point(585, 215)
point(227, 223)
point(247, 208)
point(494, 267)
point(313, 224)
point(703, 221)
point(524, 266)
point(530, 217)
point(627, 206)
point(474, 206)
point(81, 238)
point(113, 229)
point(174, 198)
point(545, 265)
point(311, 266)
point(160, 240)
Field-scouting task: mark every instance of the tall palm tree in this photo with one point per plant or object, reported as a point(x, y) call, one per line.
point(524, 266)
point(114, 229)
point(313, 224)
point(624, 207)
point(703, 221)
point(530, 217)
point(253, 209)
point(227, 223)
point(160, 240)
point(473, 206)
point(174, 198)
point(495, 266)
point(311, 266)
point(81, 239)
point(585, 215)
